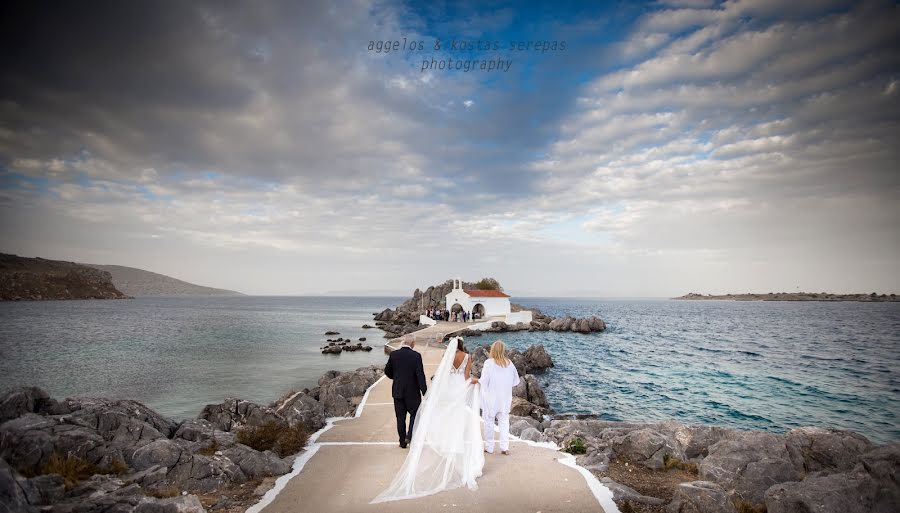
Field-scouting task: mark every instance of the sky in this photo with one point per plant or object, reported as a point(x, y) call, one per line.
point(671, 147)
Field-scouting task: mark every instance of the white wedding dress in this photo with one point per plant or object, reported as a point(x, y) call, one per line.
point(446, 448)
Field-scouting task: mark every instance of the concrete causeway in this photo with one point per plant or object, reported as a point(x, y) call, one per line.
point(352, 460)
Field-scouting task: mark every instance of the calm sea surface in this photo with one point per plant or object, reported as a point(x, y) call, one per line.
point(749, 365)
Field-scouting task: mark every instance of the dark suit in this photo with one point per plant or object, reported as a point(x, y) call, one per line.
point(404, 366)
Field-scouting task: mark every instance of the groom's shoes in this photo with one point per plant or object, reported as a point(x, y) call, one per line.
point(403, 444)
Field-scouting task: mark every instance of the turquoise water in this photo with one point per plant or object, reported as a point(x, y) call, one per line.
point(759, 365)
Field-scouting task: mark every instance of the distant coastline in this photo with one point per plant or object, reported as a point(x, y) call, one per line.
point(795, 296)
point(36, 279)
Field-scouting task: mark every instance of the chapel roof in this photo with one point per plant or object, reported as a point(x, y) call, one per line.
point(485, 293)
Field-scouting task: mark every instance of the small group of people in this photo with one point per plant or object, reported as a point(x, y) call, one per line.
point(447, 437)
point(438, 314)
point(442, 314)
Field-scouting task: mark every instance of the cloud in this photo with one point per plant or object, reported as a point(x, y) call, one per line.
point(199, 138)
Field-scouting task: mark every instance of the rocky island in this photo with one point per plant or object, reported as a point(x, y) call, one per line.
point(405, 318)
point(794, 296)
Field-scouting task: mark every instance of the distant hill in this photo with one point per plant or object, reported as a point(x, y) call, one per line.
point(24, 278)
point(138, 282)
point(795, 296)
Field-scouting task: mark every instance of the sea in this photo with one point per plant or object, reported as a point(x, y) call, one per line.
point(768, 366)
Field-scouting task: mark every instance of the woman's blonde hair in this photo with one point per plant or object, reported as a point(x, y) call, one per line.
point(498, 353)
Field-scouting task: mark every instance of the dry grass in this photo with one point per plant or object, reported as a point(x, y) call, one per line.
point(75, 469)
point(163, 493)
point(669, 463)
point(72, 469)
point(211, 450)
point(743, 506)
point(273, 436)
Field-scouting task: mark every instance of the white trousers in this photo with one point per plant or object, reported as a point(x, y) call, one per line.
point(502, 418)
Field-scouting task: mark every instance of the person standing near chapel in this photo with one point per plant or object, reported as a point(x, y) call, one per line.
point(404, 367)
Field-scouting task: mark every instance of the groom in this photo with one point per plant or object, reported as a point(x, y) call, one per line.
point(404, 366)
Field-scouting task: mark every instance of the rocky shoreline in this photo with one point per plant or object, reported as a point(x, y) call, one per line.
point(132, 459)
point(86, 455)
point(795, 296)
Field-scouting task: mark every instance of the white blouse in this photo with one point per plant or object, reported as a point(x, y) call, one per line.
point(496, 386)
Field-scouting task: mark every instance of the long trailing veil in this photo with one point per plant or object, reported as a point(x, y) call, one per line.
point(446, 447)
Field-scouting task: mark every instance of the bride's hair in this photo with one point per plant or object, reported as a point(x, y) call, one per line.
point(461, 345)
point(498, 353)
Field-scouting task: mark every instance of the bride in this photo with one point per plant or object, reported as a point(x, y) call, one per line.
point(446, 447)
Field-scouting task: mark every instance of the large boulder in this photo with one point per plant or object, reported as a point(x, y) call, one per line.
point(232, 414)
point(749, 464)
point(304, 409)
point(340, 395)
point(479, 355)
point(883, 466)
point(816, 449)
point(537, 358)
point(255, 464)
point(101, 494)
point(850, 492)
point(700, 497)
point(696, 440)
point(110, 417)
point(29, 441)
point(204, 432)
point(185, 469)
point(12, 496)
point(385, 315)
point(530, 390)
point(18, 401)
point(646, 447)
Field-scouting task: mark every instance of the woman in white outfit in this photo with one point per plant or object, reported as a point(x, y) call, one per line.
point(498, 377)
point(445, 451)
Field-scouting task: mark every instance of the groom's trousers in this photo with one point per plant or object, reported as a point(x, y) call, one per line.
point(502, 418)
point(403, 406)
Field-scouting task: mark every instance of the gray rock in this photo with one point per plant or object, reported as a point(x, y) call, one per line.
point(101, 494)
point(595, 460)
point(696, 440)
point(12, 497)
point(517, 359)
point(530, 390)
point(203, 432)
point(814, 449)
point(29, 441)
point(182, 504)
point(700, 497)
point(625, 493)
point(106, 416)
point(537, 358)
point(340, 395)
point(883, 466)
point(17, 401)
point(186, 470)
point(255, 464)
point(479, 355)
point(305, 410)
point(516, 428)
point(233, 414)
point(530, 434)
point(852, 492)
point(44, 490)
point(646, 447)
point(749, 464)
